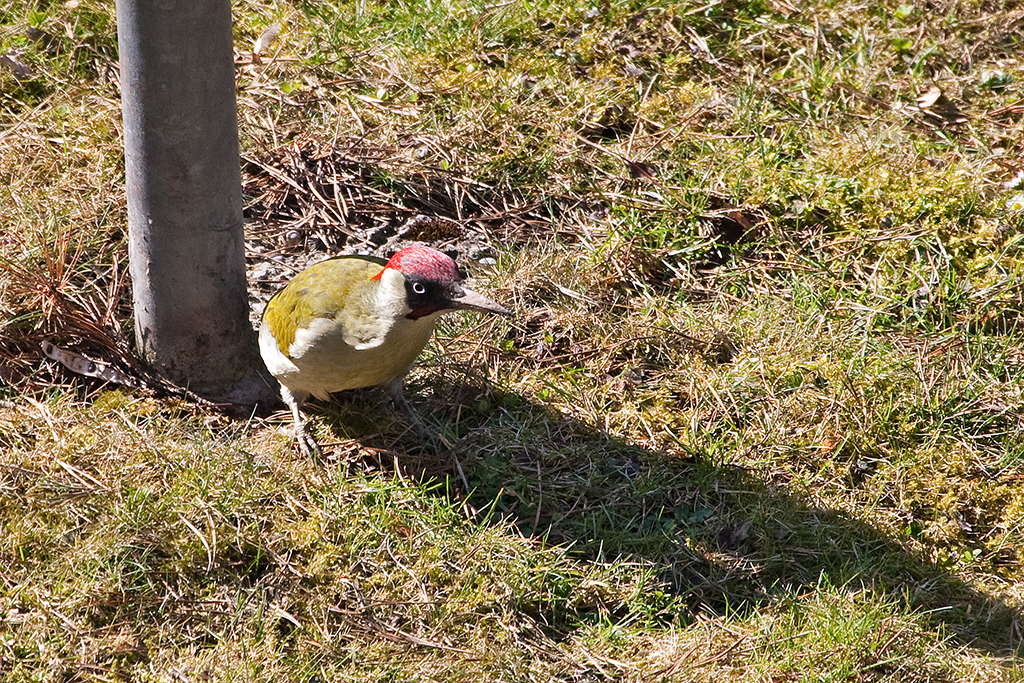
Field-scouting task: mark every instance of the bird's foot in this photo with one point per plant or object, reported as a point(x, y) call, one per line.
point(307, 444)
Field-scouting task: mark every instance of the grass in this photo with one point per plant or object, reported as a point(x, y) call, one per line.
point(757, 416)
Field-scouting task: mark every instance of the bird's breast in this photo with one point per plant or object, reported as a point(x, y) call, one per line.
point(326, 357)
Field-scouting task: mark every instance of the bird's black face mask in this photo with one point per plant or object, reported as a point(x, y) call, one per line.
point(425, 297)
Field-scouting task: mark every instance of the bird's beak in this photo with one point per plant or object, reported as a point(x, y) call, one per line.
point(469, 300)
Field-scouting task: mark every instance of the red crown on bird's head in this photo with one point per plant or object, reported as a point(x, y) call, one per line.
point(427, 262)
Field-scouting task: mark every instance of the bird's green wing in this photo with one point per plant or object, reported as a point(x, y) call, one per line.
point(324, 290)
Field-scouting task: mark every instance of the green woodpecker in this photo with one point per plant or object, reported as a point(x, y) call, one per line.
point(358, 321)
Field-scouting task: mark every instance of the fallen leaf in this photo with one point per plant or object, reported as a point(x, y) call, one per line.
point(12, 60)
point(79, 364)
point(939, 109)
point(266, 38)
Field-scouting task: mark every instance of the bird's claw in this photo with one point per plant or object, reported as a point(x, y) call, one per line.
point(307, 444)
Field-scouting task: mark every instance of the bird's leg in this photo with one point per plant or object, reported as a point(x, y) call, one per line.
point(307, 442)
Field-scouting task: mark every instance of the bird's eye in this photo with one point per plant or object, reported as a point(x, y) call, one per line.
point(418, 288)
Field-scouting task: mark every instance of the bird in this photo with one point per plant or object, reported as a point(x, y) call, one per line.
point(355, 321)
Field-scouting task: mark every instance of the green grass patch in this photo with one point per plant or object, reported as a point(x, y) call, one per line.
point(756, 417)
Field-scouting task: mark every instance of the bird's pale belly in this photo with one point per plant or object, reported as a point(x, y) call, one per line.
point(333, 363)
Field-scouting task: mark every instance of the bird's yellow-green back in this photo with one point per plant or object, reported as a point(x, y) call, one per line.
point(323, 290)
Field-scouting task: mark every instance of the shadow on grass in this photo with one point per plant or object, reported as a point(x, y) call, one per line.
point(722, 538)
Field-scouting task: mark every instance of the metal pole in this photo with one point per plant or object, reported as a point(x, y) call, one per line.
point(186, 247)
